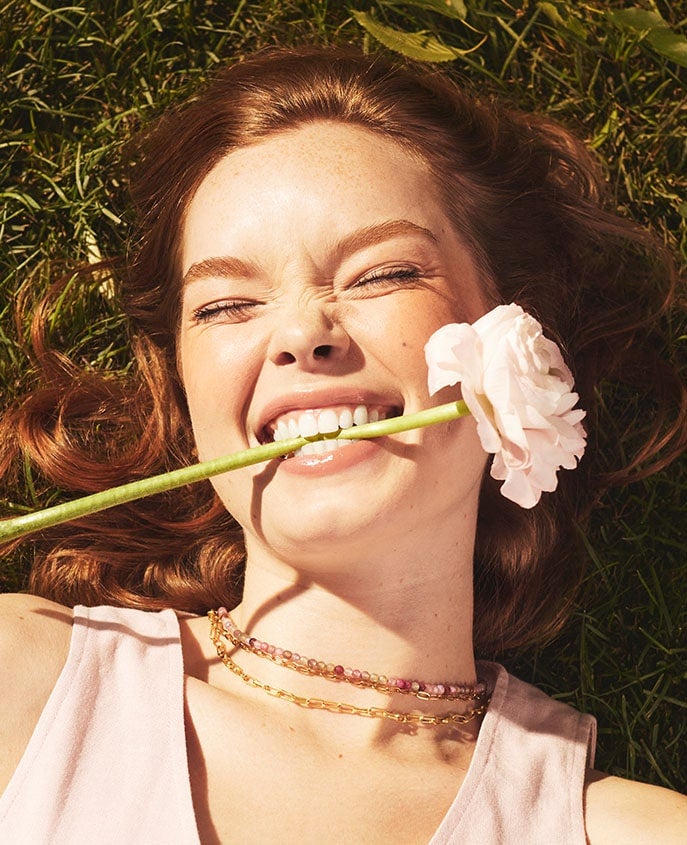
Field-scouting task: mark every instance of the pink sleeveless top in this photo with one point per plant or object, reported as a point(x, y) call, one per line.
point(107, 760)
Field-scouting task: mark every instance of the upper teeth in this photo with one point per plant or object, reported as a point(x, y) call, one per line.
point(311, 422)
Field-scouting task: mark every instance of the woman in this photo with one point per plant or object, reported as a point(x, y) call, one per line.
point(306, 224)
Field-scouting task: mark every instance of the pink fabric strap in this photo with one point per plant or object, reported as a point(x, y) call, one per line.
point(107, 760)
point(526, 779)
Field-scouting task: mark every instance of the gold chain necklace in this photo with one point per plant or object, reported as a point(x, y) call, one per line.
point(216, 632)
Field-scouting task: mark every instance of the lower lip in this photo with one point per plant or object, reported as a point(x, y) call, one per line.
point(330, 462)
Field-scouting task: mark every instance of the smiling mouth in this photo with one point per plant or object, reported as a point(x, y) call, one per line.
point(312, 421)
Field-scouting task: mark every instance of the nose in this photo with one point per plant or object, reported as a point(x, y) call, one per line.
point(309, 336)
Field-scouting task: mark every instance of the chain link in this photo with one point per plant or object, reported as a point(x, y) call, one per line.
point(216, 631)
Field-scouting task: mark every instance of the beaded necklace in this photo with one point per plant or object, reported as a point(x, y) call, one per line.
point(222, 627)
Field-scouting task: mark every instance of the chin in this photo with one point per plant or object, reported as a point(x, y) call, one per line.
point(323, 524)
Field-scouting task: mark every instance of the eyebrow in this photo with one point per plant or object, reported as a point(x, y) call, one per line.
point(371, 235)
point(228, 266)
point(223, 266)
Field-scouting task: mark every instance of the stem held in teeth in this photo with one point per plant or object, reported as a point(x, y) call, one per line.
point(440, 413)
point(11, 529)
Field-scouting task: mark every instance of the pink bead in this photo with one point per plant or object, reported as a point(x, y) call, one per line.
point(336, 670)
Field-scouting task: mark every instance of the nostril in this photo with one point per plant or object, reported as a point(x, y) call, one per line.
point(323, 351)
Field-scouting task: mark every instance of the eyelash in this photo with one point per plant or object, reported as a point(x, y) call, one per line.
point(238, 310)
point(392, 274)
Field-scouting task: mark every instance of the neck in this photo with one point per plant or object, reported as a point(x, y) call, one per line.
point(391, 616)
point(387, 591)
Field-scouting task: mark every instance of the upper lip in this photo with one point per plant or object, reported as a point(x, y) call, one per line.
point(307, 398)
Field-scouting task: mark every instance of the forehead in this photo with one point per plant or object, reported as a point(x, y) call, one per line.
point(321, 148)
point(321, 177)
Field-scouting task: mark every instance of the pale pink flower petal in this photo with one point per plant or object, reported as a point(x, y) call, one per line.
point(455, 353)
point(519, 389)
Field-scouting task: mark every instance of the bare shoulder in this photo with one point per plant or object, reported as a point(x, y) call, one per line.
point(618, 810)
point(34, 641)
point(26, 620)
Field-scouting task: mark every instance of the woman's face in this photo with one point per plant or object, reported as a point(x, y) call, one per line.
point(316, 265)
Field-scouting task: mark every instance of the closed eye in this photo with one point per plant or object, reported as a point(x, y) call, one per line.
point(389, 276)
point(229, 310)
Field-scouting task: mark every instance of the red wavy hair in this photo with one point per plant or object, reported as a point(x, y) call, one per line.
point(530, 200)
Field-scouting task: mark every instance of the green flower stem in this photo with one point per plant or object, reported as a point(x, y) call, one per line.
point(438, 414)
point(18, 526)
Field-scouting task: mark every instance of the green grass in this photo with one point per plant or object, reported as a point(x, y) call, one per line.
point(78, 80)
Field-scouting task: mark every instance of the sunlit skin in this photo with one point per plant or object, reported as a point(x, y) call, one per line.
point(325, 237)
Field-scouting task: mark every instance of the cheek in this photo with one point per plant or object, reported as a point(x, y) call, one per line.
point(216, 376)
point(409, 329)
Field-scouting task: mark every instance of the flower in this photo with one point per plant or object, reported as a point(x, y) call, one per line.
point(517, 386)
point(514, 382)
